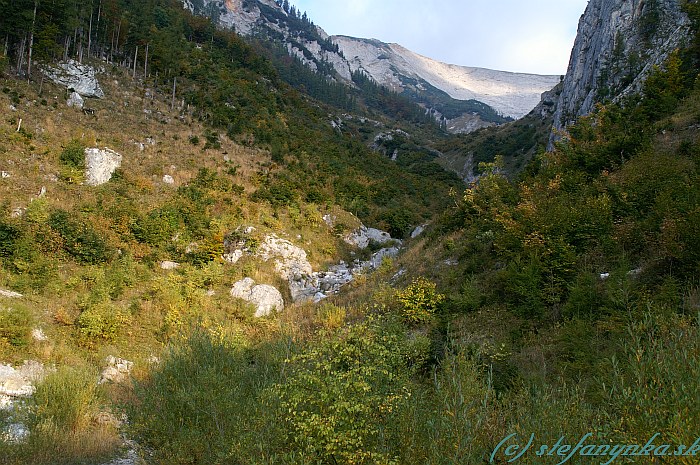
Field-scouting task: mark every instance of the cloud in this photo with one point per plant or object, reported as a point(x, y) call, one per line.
point(534, 36)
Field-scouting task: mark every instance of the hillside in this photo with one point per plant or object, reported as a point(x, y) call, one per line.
point(205, 265)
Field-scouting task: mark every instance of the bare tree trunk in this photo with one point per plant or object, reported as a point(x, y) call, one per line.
point(90, 34)
point(111, 48)
point(145, 64)
point(7, 44)
point(20, 57)
point(172, 103)
point(119, 31)
point(75, 40)
point(99, 14)
point(66, 50)
point(136, 54)
point(31, 42)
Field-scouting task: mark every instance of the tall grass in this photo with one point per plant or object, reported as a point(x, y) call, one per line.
point(62, 423)
point(204, 403)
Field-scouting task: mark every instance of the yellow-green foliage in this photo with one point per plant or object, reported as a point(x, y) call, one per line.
point(341, 394)
point(101, 322)
point(419, 300)
point(15, 325)
point(66, 399)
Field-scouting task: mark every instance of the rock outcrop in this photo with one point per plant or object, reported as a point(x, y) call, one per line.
point(618, 44)
point(266, 298)
point(290, 260)
point(292, 264)
point(362, 237)
point(10, 294)
point(100, 165)
point(76, 76)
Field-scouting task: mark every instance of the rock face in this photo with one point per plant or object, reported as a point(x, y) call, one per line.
point(10, 294)
point(75, 100)
point(266, 298)
point(100, 164)
point(79, 77)
point(617, 45)
point(19, 382)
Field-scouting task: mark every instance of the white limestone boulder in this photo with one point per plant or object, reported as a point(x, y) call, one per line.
point(266, 298)
point(100, 165)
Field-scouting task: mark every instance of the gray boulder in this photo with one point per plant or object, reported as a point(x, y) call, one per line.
point(361, 237)
point(76, 76)
point(100, 164)
point(266, 298)
point(75, 100)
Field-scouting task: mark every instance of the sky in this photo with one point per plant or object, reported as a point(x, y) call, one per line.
point(528, 36)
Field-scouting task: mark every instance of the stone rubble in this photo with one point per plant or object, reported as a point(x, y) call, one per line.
point(292, 264)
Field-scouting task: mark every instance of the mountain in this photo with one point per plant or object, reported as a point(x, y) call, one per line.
point(619, 42)
point(461, 98)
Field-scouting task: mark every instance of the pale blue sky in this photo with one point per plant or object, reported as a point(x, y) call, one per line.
point(531, 36)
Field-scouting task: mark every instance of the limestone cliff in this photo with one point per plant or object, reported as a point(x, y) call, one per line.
point(618, 44)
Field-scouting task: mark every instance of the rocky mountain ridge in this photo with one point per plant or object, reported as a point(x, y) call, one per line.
point(463, 98)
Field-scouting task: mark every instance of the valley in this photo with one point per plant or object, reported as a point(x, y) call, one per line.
point(227, 237)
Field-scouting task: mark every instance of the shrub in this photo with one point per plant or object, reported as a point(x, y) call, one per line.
point(66, 399)
point(157, 227)
point(9, 235)
point(79, 239)
point(15, 325)
point(419, 301)
point(204, 403)
point(73, 155)
point(342, 394)
point(101, 322)
point(61, 422)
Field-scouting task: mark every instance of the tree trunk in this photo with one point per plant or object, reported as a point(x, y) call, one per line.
point(31, 42)
point(66, 50)
point(90, 34)
point(145, 64)
point(136, 54)
point(20, 56)
point(172, 103)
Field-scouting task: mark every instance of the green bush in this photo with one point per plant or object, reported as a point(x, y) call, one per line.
point(157, 227)
point(9, 235)
point(419, 301)
point(206, 403)
point(343, 394)
point(66, 400)
point(101, 322)
point(79, 239)
point(15, 325)
point(73, 155)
